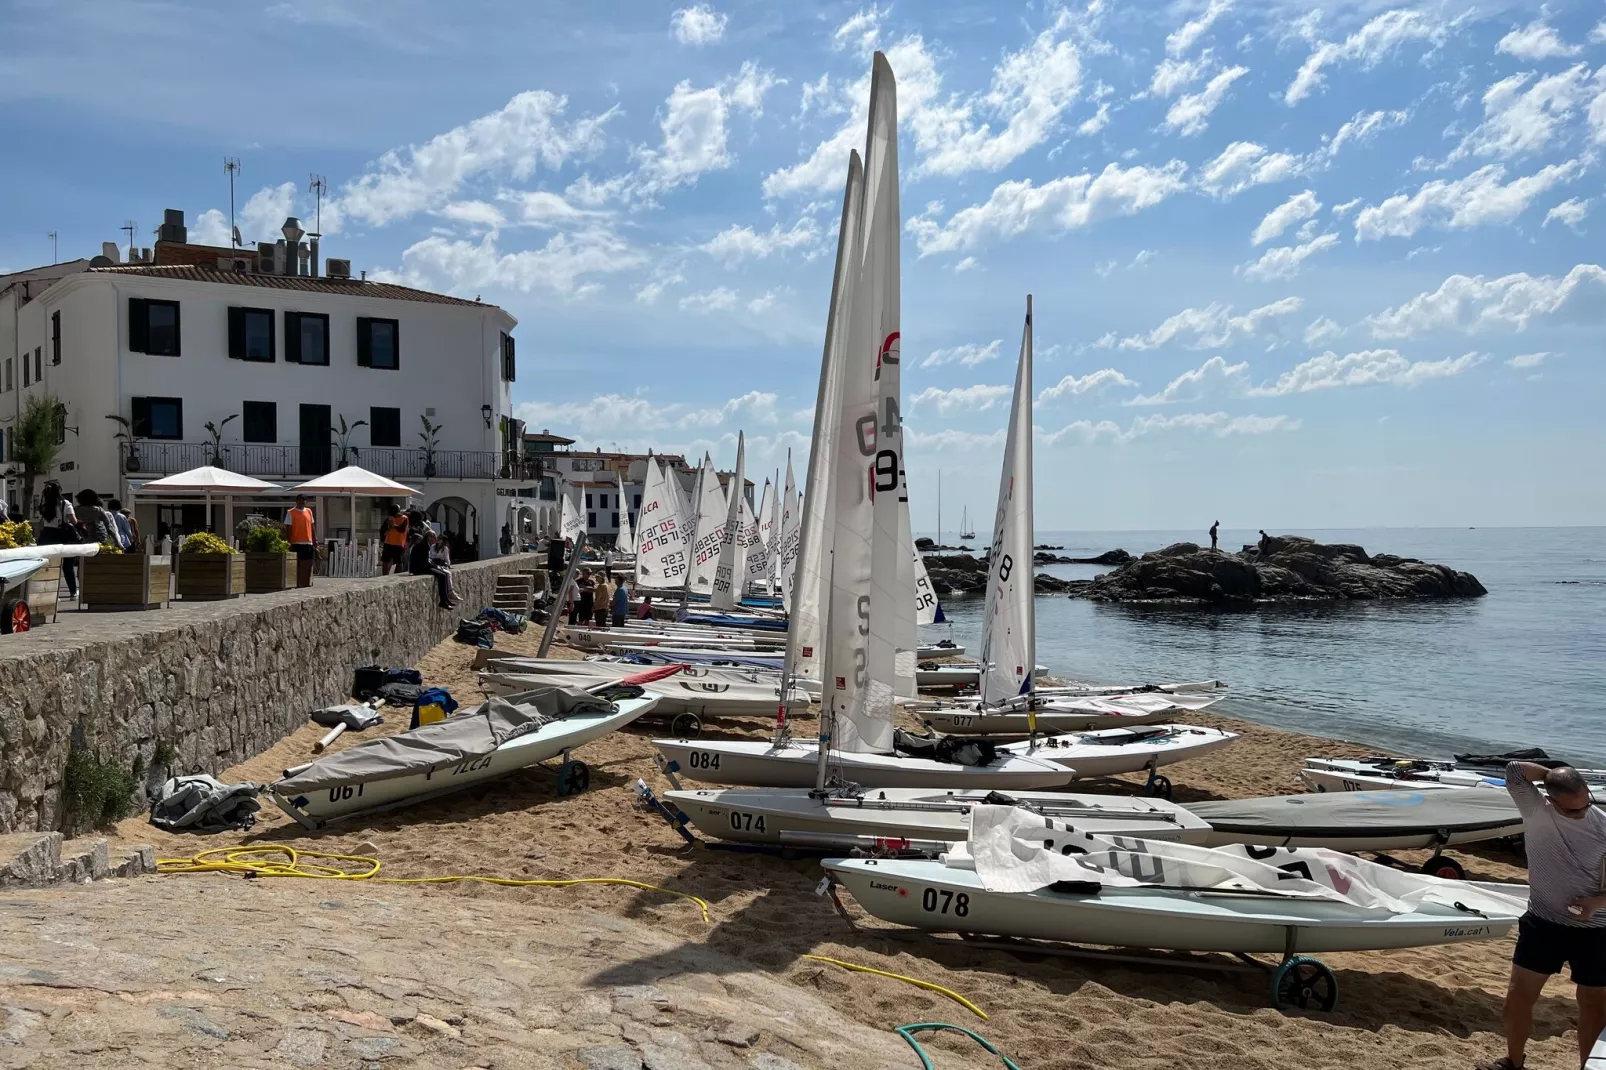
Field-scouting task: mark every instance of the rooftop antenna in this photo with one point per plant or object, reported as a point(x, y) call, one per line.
point(132, 228)
point(55, 248)
point(318, 186)
point(231, 164)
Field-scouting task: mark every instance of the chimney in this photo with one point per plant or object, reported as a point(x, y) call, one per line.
point(111, 251)
point(173, 228)
point(292, 236)
point(314, 266)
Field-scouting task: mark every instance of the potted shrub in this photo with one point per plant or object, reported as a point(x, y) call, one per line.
point(430, 436)
point(113, 580)
point(269, 565)
point(128, 443)
point(209, 568)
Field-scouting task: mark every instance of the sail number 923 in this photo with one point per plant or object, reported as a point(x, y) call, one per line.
point(942, 901)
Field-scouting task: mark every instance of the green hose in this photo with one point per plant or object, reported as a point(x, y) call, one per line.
point(907, 1032)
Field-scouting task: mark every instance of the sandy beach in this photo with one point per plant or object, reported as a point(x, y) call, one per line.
point(1431, 1008)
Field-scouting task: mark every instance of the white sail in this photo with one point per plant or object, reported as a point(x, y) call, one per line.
point(661, 547)
point(928, 607)
point(573, 524)
point(791, 525)
point(865, 604)
point(730, 574)
point(808, 577)
point(625, 542)
point(766, 514)
point(758, 555)
point(1009, 624)
point(709, 528)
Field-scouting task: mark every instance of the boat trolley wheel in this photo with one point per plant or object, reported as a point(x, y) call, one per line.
point(1445, 867)
point(574, 777)
point(1303, 983)
point(686, 725)
point(1158, 787)
point(16, 618)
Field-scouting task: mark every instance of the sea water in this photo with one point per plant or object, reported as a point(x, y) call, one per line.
point(1524, 665)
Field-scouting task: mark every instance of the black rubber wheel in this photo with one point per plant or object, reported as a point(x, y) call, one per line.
point(686, 726)
point(1304, 984)
point(16, 616)
point(574, 777)
point(1442, 866)
point(1160, 787)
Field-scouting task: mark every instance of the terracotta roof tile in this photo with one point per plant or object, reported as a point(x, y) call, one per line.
point(321, 284)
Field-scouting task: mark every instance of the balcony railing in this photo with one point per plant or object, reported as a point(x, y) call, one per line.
point(154, 459)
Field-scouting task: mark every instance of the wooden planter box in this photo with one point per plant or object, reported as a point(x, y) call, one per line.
point(123, 581)
point(210, 576)
point(265, 572)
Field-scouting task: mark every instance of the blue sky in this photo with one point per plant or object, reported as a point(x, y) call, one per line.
point(1292, 268)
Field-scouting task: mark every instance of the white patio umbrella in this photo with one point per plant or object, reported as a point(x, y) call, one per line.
point(352, 481)
point(207, 480)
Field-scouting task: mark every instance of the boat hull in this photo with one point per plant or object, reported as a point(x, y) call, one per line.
point(1078, 751)
point(792, 764)
point(929, 895)
point(759, 815)
point(332, 804)
point(705, 698)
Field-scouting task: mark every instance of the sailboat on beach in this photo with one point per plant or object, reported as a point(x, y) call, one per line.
point(856, 545)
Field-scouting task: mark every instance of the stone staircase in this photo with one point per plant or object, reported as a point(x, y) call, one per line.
point(515, 593)
point(41, 859)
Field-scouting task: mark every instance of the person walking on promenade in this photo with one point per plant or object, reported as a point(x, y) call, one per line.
point(1213, 529)
point(1565, 835)
point(301, 530)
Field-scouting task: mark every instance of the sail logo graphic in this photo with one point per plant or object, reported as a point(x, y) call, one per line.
point(889, 352)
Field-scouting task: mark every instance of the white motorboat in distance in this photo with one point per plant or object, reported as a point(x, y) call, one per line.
point(780, 816)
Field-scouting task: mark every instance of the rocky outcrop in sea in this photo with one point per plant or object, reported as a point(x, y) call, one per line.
point(1283, 568)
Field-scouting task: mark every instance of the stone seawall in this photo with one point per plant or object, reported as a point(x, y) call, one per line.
point(217, 682)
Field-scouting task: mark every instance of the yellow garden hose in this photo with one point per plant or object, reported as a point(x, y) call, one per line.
point(289, 862)
point(917, 982)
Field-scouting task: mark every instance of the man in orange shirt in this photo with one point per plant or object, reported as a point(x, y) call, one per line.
point(394, 549)
point(301, 531)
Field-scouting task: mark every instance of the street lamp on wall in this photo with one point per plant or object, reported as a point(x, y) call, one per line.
point(485, 411)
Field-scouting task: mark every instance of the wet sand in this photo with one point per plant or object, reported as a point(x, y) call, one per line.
point(1429, 1008)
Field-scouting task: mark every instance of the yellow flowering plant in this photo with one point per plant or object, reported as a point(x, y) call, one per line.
point(204, 542)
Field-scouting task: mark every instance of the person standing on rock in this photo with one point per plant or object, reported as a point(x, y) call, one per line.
point(1565, 837)
point(1265, 543)
point(1213, 529)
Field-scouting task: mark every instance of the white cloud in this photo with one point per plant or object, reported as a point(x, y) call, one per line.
point(602, 414)
point(1474, 200)
point(1189, 115)
point(976, 398)
point(698, 25)
point(762, 303)
point(1217, 423)
point(747, 89)
point(539, 208)
point(515, 140)
point(1473, 304)
point(719, 299)
point(861, 33)
point(965, 265)
point(1527, 360)
point(1520, 119)
point(1092, 382)
point(1140, 258)
point(475, 214)
point(1347, 207)
point(1095, 122)
point(1369, 46)
point(969, 354)
point(650, 292)
point(1212, 327)
point(1296, 209)
point(1362, 127)
point(694, 139)
point(737, 243)
point(1321, 331)
point(755, 406)
point(818, 96)
point(1597, 36)
point(1535, 41)
point(1367, 368)
point(1243, 164)
point(565, 264)
point(1172, 75)
point(211, 227)
point(1284, 261)
point(1184, 37)
point(1214, 377)
point(1058, 205)
point(1571, 212)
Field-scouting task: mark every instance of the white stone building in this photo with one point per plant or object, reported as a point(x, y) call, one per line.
point(261, 345)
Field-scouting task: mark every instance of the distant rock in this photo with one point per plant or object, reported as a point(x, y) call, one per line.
point(966, 574)
point(924, 543)
point(1285, 568)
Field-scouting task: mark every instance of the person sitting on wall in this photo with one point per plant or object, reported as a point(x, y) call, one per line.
point(424, 560)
